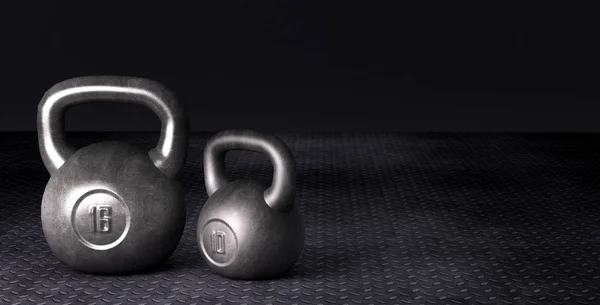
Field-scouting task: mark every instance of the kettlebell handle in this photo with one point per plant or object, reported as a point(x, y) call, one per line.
point(169, 154)
point(282, 192)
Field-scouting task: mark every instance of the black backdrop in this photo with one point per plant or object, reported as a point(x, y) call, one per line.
point(312, 65)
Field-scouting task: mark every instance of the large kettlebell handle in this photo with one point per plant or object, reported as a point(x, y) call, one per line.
point(170, 153)
point(282, 192)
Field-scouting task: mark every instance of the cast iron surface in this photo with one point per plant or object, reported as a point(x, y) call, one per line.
point(112, 207)
point(390, 219)
point(247, 230)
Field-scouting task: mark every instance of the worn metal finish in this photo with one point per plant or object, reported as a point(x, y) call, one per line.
point(112, 207)
point(246, 230)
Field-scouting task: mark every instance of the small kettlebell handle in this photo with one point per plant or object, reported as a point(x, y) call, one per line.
point(282, 192)
point(170, 153)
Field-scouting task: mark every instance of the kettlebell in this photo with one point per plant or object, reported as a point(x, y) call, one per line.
point(246, 230)
point(112, 207)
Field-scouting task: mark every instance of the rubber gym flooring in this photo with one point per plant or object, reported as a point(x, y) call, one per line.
point(390, 219)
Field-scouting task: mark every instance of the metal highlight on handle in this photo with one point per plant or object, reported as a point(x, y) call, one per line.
point(282, 192)
point(170, 153)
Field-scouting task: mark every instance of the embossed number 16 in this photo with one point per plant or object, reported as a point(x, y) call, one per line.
point(101, 216)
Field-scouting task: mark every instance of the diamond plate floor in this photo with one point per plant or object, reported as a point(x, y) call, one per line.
point(390, 218)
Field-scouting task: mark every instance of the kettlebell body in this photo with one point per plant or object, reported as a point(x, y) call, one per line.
point(242, 237)
point(246, 230)
point(111, 207)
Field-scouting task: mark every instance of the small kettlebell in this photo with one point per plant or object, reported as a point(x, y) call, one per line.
point(245, 230)
point(112, 207)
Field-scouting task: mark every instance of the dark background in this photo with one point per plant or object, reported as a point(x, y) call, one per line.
point(312, 65)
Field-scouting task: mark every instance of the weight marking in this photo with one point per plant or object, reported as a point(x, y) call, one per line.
point(101, 216)
point(218, 242)
point(100, 219)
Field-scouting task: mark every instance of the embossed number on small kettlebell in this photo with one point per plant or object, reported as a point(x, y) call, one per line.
point(218, 242)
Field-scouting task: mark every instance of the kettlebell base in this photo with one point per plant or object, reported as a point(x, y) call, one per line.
point(251, 276)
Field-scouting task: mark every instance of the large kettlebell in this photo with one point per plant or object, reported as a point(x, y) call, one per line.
point(245, 230)
point(112, 207)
